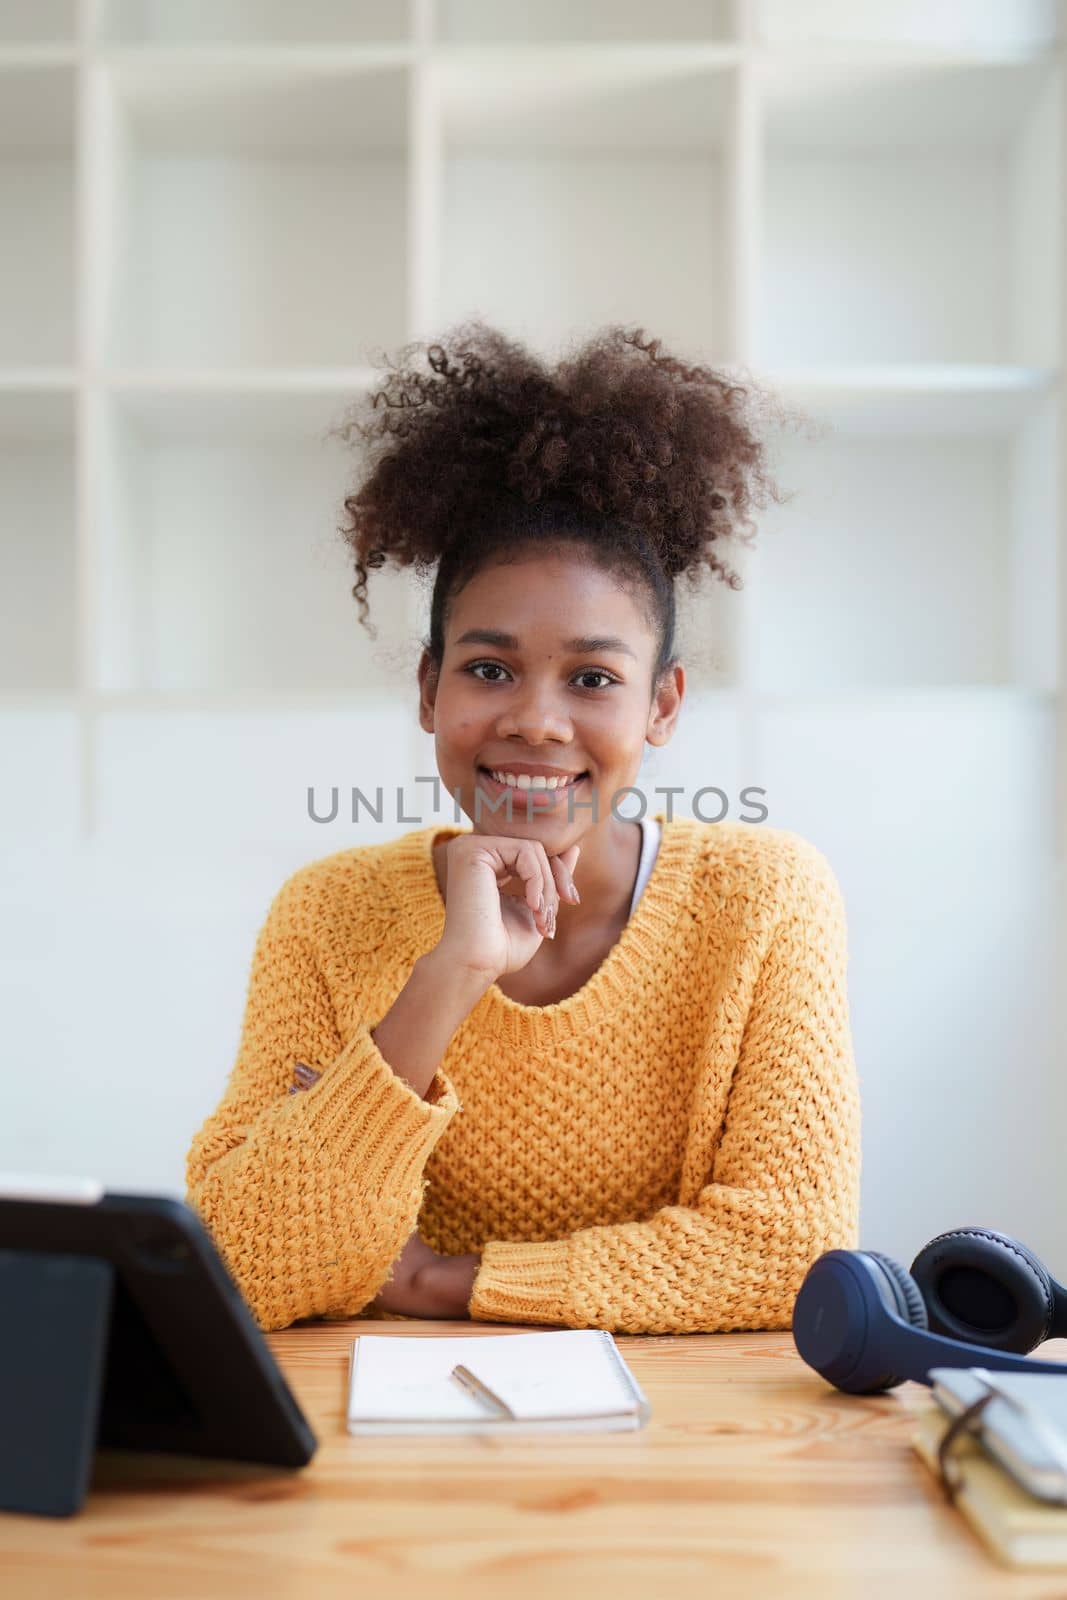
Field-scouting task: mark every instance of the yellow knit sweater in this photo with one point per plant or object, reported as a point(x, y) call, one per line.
point(665, 1151)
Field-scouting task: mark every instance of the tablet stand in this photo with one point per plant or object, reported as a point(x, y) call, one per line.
point(54, 1335)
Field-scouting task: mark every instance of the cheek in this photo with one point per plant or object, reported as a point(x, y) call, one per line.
point(621, 730)
point(455, 713)
point(458, 725)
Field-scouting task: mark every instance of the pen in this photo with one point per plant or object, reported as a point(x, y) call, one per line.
point(466, 1379)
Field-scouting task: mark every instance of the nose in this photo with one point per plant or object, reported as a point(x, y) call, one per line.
point(532, 714)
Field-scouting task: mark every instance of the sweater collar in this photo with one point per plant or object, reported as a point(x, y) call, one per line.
point(644, 943)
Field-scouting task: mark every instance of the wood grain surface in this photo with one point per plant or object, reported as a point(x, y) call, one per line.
point(753, 1478)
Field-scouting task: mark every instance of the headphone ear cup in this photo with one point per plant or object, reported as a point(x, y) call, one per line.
point(983, 1287)
point(909, 1302)
point(900, 1293)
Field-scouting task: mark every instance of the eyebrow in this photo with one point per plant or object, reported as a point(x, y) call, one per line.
point(580, 647)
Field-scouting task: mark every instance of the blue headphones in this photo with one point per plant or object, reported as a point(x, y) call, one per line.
point(971, 1297)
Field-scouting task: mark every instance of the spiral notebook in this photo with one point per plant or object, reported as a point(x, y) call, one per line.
point(573, 1381)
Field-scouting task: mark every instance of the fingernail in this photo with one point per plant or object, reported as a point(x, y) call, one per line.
point(552, 922)
point(541, 905)
point(574, 892)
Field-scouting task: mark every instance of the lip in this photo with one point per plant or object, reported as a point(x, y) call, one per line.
point(543, 799)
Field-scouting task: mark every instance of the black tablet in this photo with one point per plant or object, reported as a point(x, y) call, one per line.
point(121, 1328)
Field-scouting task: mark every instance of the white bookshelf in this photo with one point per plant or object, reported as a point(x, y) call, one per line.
point(223, 213)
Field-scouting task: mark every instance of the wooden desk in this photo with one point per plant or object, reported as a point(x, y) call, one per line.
point(753, 1478)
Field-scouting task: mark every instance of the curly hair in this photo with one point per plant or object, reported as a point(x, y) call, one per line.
point(646, 462)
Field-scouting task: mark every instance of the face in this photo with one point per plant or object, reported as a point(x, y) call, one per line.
point(536, 702)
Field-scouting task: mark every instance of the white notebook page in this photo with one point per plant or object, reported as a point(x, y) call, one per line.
point(570, 1373)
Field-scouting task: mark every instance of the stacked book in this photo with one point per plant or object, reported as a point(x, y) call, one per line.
point(997, 1442)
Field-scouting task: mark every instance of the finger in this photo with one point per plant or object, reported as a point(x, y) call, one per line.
point(569, 860)
point(564, 881)
point(537, 887)
point(551, 890)
point(534, 870)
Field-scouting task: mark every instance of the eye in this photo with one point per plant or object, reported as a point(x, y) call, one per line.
point(597, 672)
point(473, 670)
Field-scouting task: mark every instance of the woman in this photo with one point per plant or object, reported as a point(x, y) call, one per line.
point(463, 1088)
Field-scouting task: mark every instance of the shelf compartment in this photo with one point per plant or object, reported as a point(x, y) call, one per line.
point(37, 203)
point(254, 21)
point(864, 162)
point(912, 554)
point(38, 643)
point(621, 21)
point(952, 772)
point(37, 22)
point(581, 188)
point(41, 792)
point(255, 213)
point(967, 24)
point(221, 569)
point(244, 776)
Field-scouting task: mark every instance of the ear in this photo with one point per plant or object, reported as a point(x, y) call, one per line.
point(666, 705)
point(428, 677)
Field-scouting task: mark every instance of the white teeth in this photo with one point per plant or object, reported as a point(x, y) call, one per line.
point(523, 780)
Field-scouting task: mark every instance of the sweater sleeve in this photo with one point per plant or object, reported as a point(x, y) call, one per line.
point(310, 1197)
point(784, 1181)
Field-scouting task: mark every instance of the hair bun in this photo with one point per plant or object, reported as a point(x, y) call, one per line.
point(618, 431)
